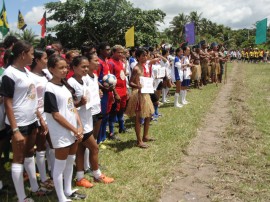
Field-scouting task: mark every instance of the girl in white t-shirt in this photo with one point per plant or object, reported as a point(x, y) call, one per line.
point(65, 128)
point(19, 92)
point(82, 100)
point(39, 64)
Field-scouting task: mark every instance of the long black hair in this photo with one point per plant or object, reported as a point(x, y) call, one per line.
point(18, 48)
point(38, 53)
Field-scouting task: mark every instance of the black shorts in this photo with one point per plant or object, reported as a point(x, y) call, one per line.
point(154, 97)
point(87, 135)
point(160, 86)
point(3, 134)
point(25, 130)
point(97, 117)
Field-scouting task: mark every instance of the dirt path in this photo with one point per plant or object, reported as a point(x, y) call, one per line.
point(193, 178)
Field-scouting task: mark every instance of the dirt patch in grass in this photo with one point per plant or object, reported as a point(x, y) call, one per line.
point(224, 161)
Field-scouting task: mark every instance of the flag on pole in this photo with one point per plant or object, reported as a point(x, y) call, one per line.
point(261, 30)
point(190, 33)
point(42, 23)
point(21, 24)
point(4, 28)
point(129, 36)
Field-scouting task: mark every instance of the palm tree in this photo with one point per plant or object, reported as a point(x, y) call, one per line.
point(177, 27)
point(30, 36)
point(196, 18)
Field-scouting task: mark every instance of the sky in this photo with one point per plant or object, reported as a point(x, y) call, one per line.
point(233, 13)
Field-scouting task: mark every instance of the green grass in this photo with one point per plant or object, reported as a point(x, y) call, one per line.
point(245, 166)
point(141, 174)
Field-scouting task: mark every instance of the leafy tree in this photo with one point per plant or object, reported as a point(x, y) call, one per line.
point(103, 20)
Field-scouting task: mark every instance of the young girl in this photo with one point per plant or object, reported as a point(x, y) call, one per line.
point(82, 89)
point(177, 75)
point(140, 105)
point(40, 79)
point(65, 128)
point(20, 99)
point(186, 65)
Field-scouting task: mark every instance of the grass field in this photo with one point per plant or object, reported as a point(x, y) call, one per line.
point(245, 166)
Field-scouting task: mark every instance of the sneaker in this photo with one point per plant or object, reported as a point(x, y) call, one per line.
point(41, 192)
point(84, 183)
point(28, 199)
point(104, 179)
point(76, 196)
point(179, 105)
point(48, 184)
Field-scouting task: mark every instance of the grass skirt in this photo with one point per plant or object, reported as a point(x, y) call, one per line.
point(139, 103)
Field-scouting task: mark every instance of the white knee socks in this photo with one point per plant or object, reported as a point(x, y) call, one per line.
point(40, 160)
point(68, 174)
point(59, 167)
point(17, 177)
point(30, 167)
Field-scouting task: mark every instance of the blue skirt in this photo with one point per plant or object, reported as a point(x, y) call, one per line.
point(185, 82)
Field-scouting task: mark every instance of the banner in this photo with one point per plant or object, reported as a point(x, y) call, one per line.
point(261, 30)
point(21, 24)
point(129, 36)
point(4, 28)
point(190, 33)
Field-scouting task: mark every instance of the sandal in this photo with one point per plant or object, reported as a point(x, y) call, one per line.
point(143, 146)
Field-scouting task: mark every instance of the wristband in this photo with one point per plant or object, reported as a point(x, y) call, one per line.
point(15, 130)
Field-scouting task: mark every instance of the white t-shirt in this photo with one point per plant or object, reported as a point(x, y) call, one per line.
point(92, 83)
point(47, 74)
point(155, 74)
point(20, 86)
point(81, 89)
point(40, 83)
point(59, 99)
point(187, 72)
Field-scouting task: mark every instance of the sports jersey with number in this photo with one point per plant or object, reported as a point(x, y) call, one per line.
point(19, 85)
point(59, 99)
point(81, 89)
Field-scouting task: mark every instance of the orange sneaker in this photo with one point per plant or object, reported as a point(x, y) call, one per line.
point(104, 179)
point(84, 183)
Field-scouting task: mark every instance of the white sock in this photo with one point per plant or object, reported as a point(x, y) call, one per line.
point(17, 177)
point(1, 184)
point(182, 96)
point(68, 174)
point(166, 91)
point(163, 94)
point(79, 175)
point(40, 160)
point(59, 167)
point(176, 97)
point(97, 173)
point(30, 167)
point(86, 159)
point(185, 95)
point(52, 160)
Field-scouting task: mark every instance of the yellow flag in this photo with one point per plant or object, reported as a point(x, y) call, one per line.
point(129, 36)
point(21, 24)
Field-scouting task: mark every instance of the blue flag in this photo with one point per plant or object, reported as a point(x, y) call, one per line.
point(190, 33)
point(261, 30)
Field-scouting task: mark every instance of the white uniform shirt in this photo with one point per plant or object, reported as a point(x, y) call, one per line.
point(81, 89)
point(59, 99)
point(19, 85)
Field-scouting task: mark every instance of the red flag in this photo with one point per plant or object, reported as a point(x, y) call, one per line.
point(42, 23)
